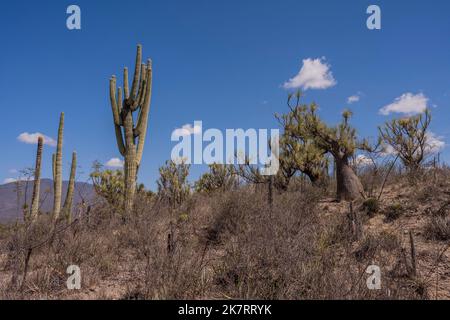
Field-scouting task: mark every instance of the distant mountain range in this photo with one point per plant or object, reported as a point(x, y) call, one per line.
point(11, 206)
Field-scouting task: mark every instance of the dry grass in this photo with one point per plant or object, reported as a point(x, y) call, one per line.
point(235, 245)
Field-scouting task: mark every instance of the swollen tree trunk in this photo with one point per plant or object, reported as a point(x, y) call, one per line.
point(313, 177)
point(349, 186)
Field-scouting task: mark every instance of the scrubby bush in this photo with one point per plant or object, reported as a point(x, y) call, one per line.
point(409, 138)
point(371, 206)
point(173, 186)
point(438, 228)
point(219, 178)
point(393, 212)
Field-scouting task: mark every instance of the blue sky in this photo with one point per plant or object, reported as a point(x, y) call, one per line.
point(222, 62)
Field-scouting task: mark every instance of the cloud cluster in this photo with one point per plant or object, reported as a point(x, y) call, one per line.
point(363, 161)
point(353, 99)
point(9, 180)
point(187, 130)
point(114, 163)
point(435, 143)
point(314, 74)
point(32, 138)
point(407, 103)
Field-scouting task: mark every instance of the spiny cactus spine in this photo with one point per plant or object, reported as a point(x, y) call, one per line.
point(37, 181)
point(57, 170)
point(67, 208)
point(125, 129)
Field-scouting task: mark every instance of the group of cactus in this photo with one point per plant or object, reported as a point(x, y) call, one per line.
point(64, 211)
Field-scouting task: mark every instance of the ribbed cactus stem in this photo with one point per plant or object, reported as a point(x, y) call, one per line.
point(57, 171)
point(37, 181)
point(67, 209)
point(130, 137)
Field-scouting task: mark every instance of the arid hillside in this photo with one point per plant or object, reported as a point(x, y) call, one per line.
point(235, 244)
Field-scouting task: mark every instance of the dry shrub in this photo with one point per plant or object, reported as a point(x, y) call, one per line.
point(231, 244)
point(393, 212)
point(438, 228)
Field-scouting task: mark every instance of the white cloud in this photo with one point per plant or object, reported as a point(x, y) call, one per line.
point(353, 99)
point(32, 138)
point(13, 171)
point(314, 74)
point(9, 180)
point(434, 143)
point(387, 150)
point(187, 130)
point(363, 161)
point(407, 103)
point(114, 163)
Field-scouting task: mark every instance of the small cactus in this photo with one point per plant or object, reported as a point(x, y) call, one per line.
point(37, 181)
point(67, 208)
point(57, 171)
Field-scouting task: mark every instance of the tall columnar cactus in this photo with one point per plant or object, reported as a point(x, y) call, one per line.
point(130, 137)
point(67, 208)
point(37, 181)
point(57, 171)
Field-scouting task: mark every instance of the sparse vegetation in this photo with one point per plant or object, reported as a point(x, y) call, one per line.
point(173, 186)
point(393, 212)
point(371, 206)
point(224, 239)
point(408, 137)
point(438, 228)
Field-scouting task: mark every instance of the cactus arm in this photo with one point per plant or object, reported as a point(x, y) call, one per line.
point(119, 103)
point(37, 181)
point(143, 118)
point(114, 105)
point(117, 110)
point(53, 167)
point(119, 139)
point(145, 108)
point(134, 87)
point(126, 89)
point(58, 171)
point(67, 209)
point(141, 93)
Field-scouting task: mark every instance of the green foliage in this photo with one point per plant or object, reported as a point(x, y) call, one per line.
point(109, 184)
point(173, 186)
point(304, 125)
point(371, 206)
point(408, 138)
point(298, 149)
point(220, 177)
point(394, 211)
